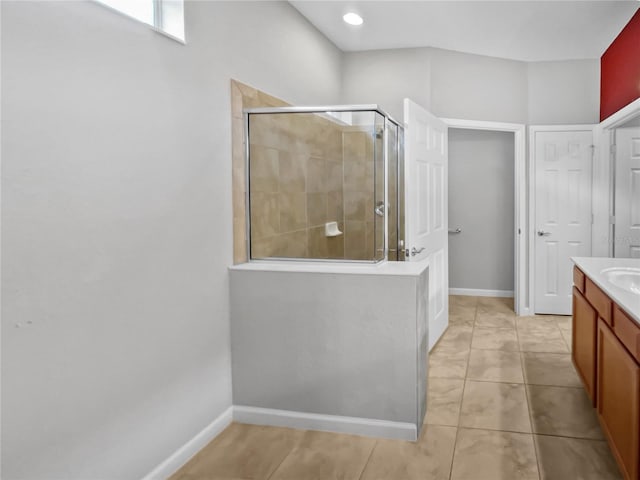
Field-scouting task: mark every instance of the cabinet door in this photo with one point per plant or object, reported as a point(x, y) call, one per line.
point(583, 348)
point(618, 399)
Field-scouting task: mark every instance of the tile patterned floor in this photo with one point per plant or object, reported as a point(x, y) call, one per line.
point(504, 403)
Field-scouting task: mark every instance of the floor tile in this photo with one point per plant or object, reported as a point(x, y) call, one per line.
point(490, 455)
point(567, 338)
point(495, 339)
point(495, 406)
point(486, 319)
point(561, 458)
point(466, 317)
point(326, 456)
point(462, 301)
point(462, 310)
point(428, 458)
point(537, 323)
point(456, 336)
point(499, 309)
point(444, 396)
point(496, 304)
point(495, 366)
point(554, 369)
point(243, 451)
point(562, 411)
point(448, 363)
point(550, 341)
point(564, 322)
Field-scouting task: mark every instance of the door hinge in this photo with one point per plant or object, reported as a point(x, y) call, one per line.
point(612, 148)
point(612, 220)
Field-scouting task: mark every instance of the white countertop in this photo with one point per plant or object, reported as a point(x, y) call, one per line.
point(593, 267)
point(410, 269)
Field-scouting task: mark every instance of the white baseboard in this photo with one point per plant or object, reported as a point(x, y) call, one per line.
point(525, 312)
point(473, 292)
point(327, 423)
point(181, 456)
point(281, 418)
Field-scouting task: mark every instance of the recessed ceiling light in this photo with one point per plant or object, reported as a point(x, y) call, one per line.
point(353, 18)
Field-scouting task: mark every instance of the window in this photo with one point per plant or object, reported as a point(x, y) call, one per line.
point(165, 15)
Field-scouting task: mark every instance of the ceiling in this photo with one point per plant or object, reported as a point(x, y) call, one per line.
point(519, 30)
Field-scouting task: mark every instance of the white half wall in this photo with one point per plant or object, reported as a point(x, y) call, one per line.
point(117, 223)
point(308, 353)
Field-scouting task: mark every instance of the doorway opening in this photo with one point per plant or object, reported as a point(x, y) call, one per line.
point(481, 213)
point(488, 211)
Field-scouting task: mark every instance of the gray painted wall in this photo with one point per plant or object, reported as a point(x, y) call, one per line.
point(386, 77)
point(564, 92)
point(481, 193)
point(117, 223)
point(474, 87)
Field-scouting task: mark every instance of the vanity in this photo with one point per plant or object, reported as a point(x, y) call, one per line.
point(606, 350)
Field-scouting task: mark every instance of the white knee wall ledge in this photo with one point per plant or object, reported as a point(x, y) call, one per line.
point(281, 418)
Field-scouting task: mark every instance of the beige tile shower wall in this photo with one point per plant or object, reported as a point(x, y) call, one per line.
point(359, 203)
point(296, 186)
point(243, 96)
point(307, 170)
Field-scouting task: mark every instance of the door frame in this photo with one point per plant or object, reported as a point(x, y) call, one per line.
point(523, 287)
point(533, 129)
point(603, 185)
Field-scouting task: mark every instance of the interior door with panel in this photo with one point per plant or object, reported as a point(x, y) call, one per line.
point(426, 207)
point(562, 162)
point(627, 193)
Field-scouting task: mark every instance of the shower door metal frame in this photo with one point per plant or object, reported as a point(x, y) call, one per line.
point(327, 109)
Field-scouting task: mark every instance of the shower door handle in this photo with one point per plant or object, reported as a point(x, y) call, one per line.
point(379, 209)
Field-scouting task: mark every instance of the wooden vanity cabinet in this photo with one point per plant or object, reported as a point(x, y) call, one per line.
point(606, 353)
point(583, 351)
point(618, 399)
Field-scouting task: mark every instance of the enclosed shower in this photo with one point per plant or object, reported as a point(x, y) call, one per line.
point(326, 289)
point(324, 184)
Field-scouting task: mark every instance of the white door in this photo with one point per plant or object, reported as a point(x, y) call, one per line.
point(426, 207)
point(563, 165)
point(627, 193)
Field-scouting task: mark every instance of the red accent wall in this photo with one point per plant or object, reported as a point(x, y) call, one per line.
point(620, 70)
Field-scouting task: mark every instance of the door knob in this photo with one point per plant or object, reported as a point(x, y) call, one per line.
point(415, 251)
point(542, 233)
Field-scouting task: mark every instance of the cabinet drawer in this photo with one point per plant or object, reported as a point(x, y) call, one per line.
point(627, 331)
point(599, 300)
point(578, 279)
